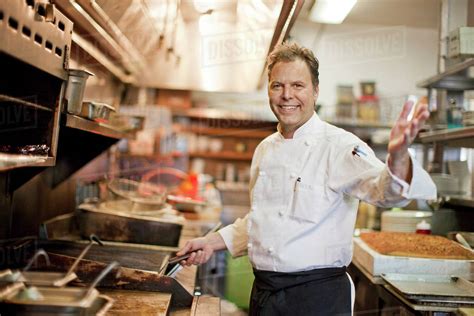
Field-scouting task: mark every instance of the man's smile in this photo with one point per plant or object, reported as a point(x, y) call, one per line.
point(287, 108)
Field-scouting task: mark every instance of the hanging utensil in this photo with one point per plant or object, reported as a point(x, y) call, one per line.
point(112, 265)
point(163, 30)
point(35, 257)
point(19, 275)
point(56, 279)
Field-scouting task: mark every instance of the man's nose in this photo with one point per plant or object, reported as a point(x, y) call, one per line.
point(287, 93)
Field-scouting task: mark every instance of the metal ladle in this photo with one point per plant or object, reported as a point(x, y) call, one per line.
point(92, 238)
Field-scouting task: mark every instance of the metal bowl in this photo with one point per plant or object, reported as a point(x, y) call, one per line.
point(96, 110)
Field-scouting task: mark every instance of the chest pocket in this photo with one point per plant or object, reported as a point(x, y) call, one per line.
point(310, 202)
point(269, 189)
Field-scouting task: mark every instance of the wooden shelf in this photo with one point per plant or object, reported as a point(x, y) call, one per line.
point(6, 98)
point(27, 161)
point(175, 154)
point(86, 125)
point(228, 132)
point(456, 137)
point(223, 155)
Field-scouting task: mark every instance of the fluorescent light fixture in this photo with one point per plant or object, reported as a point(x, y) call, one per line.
point(331, 11)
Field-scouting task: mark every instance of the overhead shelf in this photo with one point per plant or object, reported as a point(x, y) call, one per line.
point(456, 137)
point(86, 125)
point(351, 123)
point(467, 201)
point(454, 78)
point(233, 132)
point(224, 155)
point(13, 161)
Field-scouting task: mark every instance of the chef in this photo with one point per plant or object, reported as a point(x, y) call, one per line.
point(306, 183)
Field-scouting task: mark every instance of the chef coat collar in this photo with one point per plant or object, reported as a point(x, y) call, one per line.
point(310, 127)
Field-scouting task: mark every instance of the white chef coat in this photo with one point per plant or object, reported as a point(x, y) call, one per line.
point(305, 193)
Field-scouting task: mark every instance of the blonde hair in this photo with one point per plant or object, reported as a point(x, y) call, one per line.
point(290, 52)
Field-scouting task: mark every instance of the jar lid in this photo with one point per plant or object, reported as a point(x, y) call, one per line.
point(423, 225)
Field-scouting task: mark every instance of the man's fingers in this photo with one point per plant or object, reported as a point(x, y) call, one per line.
point(406, 110)
point(414, 128)
point(188, 247)
point(183, 250)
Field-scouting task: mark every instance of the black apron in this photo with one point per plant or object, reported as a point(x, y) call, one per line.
point(317, 292)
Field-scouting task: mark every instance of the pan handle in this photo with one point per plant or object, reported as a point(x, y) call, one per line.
point(33, 260)
point(92, 238)
point(102, 274)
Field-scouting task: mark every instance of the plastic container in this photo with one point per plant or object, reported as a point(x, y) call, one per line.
point(423, 228)
point(76, 85)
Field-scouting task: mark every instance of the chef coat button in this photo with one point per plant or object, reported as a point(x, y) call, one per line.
point(281, 213)
point(261, 173)
point(307, 142)
point(271, 250)
point(249, 245)
point(253, 209)
point(293, 175)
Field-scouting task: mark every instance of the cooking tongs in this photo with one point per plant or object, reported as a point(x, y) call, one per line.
point(48, 278)
point(177, 259)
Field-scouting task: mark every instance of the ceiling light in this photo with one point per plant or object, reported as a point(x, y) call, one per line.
point(331, 11)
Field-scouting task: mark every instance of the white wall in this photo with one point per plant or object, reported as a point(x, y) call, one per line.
point(395, 57)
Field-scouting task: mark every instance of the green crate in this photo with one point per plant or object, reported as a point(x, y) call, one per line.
point(239, 280)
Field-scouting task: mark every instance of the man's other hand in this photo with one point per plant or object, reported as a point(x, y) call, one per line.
point(402, 135)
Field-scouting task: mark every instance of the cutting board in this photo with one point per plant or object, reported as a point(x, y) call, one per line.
point(376, 263)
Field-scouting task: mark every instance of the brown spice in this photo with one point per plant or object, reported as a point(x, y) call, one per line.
point(415, 245)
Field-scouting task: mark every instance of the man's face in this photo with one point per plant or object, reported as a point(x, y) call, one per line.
point(292, 95)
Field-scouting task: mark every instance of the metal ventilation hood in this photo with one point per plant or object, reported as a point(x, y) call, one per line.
point(218, 45)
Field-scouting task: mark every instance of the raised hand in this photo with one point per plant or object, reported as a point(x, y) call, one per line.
point(402, 135)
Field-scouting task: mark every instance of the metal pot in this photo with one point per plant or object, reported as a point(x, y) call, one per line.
point(49, 300)
point(125, 227)
point(46, 278)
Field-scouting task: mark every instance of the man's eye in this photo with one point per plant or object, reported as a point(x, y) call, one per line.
point(276, 85)
point(298, 85)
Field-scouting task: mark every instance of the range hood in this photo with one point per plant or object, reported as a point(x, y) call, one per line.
point(182, 44)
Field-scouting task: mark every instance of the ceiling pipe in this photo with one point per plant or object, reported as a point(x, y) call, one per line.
point(122, 39)
point(287, 18)
point(126, 59)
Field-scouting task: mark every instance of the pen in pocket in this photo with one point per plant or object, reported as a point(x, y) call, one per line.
point(296, 184)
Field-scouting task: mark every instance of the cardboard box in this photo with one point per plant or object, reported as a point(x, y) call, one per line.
point(461, 42)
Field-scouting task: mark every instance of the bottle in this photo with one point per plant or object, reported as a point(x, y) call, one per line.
point(423, 228)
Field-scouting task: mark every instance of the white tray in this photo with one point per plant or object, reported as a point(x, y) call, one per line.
point(376, 263)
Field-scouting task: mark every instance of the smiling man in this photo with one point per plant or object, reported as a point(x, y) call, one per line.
point(306, 183)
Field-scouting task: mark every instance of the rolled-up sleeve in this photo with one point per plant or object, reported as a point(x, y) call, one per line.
point(365, 177)
point(421, 186)
point(236, 237)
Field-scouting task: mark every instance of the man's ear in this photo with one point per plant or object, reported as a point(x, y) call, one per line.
point(316, 92)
